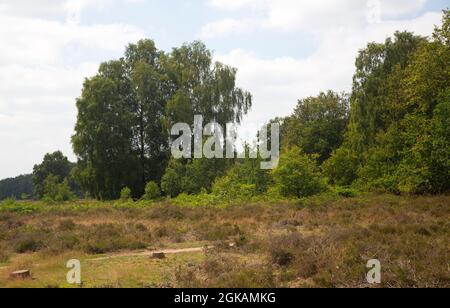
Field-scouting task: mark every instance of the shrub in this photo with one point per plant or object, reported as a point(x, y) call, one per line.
point(55, 191)
point(8, 202)
point(342, 167)
point(283, 249)
point(105, 238)
point(297, 175)
point(219, 271)
point(245, 179)
point(152, 191)
point(172, 181)
point(28, 244)
point(230, 188)
point(125, 194)
point(346, 192)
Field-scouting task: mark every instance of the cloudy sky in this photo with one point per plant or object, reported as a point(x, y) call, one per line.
point(284, 49)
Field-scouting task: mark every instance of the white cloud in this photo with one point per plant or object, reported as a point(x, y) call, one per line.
point(289, 15)
point(278, 83)
point(46, 53)
point(45, 57)
point(228, 26)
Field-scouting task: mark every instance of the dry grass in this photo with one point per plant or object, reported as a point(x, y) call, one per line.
point(318, 242)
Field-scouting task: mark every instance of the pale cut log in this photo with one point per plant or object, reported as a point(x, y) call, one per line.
point(24, 274)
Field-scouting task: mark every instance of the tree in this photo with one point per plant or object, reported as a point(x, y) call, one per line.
point(126, 110)
point(298, 175)
point(243, 177)
point(152, 191)
point(54, 164)
point(318, 124)
point(172, 181)
point(150, 91)
point(409, 154)
point(199, 86)
point(17, 188)
point(125, 194)
point(55, 190)
point(374, 65)
point(342, 167)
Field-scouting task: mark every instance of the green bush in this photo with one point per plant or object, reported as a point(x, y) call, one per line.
point(125, 194)
point(342, 167)
point(298, 175)
point(152, 191)
point(346, 192)
point(172, 181)
point(245, 179)
point(8, 202)
point(54, 191)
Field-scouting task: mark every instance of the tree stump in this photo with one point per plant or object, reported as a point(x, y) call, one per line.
point(158, 255)
point(25, 274)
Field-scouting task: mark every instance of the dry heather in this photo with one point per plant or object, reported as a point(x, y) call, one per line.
point(318, 242)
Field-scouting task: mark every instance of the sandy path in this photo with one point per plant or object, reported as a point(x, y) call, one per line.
point(151, 252)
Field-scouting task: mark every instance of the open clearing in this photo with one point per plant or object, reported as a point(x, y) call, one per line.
point(316, 242)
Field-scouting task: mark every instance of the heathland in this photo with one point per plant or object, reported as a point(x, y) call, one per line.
point(322, 241)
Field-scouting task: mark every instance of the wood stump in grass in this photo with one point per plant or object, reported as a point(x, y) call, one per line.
point(24, 274)
point(158, 255)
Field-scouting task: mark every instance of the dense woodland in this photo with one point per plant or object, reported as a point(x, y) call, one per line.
point(391, 133)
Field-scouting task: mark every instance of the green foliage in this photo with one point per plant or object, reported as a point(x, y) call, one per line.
point(342, 167)
point(125, 111)
point(191, 177)
point(397, 140)
point(18, 187)
point(54, 164)
point(200, 174)
point(172, 181)
point(8, 202)
point(125, 194)
point(152, 191)
point(374, 66)
point(55, 191)
point(440, 145)
point(244, 179)
point(318, 124)
point(298, 175)
point(346, 192)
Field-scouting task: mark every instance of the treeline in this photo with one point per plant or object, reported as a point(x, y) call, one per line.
point(395, 136)
point(398, 138)
point(51, 180)
point(391, 133)
point(20, 188)
point(126, 111)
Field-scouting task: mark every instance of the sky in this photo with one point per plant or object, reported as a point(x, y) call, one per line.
point(284, 50)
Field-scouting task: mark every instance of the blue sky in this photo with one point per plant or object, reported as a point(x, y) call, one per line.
point(284, 50)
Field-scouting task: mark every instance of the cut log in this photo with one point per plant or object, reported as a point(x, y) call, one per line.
point(25, 274)
point(158, 255)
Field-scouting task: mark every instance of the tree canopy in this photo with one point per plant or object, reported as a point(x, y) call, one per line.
point(125, 112)
point(53, 165)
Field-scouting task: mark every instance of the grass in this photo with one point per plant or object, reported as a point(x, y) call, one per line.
point(322, 241)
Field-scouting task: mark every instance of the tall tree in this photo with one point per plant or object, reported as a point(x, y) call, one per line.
point(318, 124)
point(374, 65)
point(104, 131)
point(399, 132)
point(149, 86)
point(203, 87)
point(125, 112)
point(54, 164)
